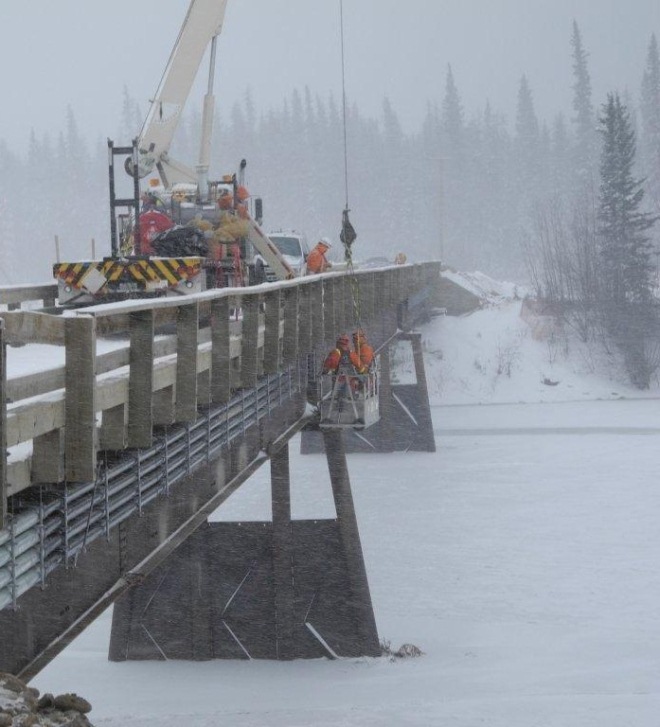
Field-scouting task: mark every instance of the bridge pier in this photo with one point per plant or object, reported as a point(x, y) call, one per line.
point(281, 590)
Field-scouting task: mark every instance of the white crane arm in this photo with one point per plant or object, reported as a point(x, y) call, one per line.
point(202, 23)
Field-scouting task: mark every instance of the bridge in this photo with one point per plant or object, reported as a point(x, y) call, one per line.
point(146, 416)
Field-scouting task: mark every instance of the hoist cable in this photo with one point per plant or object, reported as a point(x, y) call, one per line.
point(343, 96)
point(348, 255)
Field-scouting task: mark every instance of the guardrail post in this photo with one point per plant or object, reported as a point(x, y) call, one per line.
point(80, 435)
point(339, 303)
point(317, 313)
point(187, 327)
point(112, 434)
point(250, 340)
point(140, 381)
point(367, 296)
point(290, 343)
point(304, 319)
point(330, 323)
point(48, 457)
point(3, 425)
point(272, 352)
point(220, 354)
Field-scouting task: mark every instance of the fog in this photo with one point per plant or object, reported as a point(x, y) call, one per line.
point(78, 58)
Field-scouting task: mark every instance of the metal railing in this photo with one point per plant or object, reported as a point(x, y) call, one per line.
point(42, 536)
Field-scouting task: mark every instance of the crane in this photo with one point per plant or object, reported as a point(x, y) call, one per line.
point(184, 263)
point(201, 27)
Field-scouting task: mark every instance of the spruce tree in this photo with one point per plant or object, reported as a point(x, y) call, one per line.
point(527, 142)
point(585, 136)
point(650, 122)
point(624, 245)
point(453, 165)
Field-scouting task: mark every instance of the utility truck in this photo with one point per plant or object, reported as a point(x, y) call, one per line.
point(182, 232)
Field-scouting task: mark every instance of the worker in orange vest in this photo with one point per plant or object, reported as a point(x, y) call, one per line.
point(316, 260)
point(363, 350)
point(341, 360)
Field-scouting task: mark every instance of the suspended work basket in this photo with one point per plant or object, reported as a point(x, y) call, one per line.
point(349, 401)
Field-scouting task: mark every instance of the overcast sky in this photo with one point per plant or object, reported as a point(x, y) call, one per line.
point(60, 52)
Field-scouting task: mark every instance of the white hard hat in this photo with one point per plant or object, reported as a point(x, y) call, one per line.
point(326, 241)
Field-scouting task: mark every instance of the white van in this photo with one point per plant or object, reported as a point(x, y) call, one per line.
point(293, 247)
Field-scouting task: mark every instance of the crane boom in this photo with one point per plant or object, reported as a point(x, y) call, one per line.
point(202, 24)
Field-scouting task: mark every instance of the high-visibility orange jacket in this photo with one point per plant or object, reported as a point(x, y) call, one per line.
point(338, 358)
point(316, 260)
point(365, 354)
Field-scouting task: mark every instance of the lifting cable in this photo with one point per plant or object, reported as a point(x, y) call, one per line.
point(347, 234)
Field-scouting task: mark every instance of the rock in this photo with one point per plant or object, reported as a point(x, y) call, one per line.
point(408, 650)
point(74, 702)
point(26, 720)
point(6, 719)
point(10, 682)
point(46, 702)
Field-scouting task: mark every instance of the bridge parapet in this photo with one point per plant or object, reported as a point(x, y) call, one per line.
point(15, 297)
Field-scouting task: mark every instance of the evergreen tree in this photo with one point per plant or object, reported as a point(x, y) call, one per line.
point(527, 144)
point(131, 118)
point(625, 246)
point(585, 128)
point(650, 122)
point(453, 174)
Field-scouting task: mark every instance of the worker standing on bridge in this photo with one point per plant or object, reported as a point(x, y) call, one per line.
point(316, 260)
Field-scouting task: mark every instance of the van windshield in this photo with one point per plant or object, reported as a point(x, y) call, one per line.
point(288, 245)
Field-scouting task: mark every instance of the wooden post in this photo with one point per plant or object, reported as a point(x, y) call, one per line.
point(80, 436)
point(140, 382)
point(187, 326)
point(48, 457)
point(3, 425)
point(250, 340)
point(272, 352)
point(163, 406)
point(282, 554)
point(290, 343)
point(113, 429)
point(317, 313)
point(220, 355)
point(339, 304)
point(330, 322)
point(304, 320)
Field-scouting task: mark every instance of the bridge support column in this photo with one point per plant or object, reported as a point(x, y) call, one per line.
point(349, 536)
point(282, 554)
